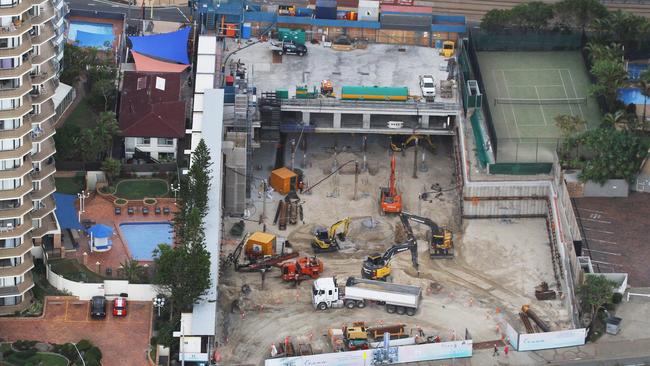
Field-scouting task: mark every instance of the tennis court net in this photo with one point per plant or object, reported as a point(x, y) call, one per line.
point(558, 101)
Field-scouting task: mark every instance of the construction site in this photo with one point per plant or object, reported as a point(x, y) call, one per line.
point(382, 204)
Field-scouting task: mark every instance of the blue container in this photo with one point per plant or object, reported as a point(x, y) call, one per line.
point(246, 30)
point(304, 12)
point(326, 3)
point(438, 43)
point(326, 13)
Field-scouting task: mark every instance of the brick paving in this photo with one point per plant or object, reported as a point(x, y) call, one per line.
point(616, 231)
point(123, 341)
point(101, 210)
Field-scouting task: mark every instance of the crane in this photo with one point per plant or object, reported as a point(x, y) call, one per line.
point(440, 240)
point(327, 240)
point(389, 200)
point(377, 266)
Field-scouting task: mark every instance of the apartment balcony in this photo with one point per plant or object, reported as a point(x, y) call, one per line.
point(7, 92)
point(47, 188)
point(26, 285)
point(47, 206)
point(46, 53)
point(16, 173)
point(46, 13)
point(48, 225)
point(18, 212)
point(24, 109)
point(21, 70)
point(24, 305)
point(20, 250)
point(45, 131)
point(24, 189)
point(25, 46)
point(45, 92)
point(45, 171)
point(47, 72)
point(16, 28)
point(26, 265)
point(23, 150)
point(21, 131)
point(47, 111)
point(47, 149)
point(47, 33)
point(40, 2)
point(16, 10)
point(14, 232)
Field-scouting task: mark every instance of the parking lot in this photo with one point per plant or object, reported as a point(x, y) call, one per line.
point(123, 341)
point(616, 232)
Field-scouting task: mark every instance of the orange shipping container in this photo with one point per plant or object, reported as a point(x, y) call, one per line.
point(283, 180)
point(260, 245)
point(231, 30)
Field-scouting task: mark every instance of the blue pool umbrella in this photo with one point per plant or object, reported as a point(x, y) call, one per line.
point(100, 231)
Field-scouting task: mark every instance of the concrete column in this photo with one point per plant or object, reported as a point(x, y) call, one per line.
point(424, 121)
point(366, 121)
point(306, 117)
point(337, 120)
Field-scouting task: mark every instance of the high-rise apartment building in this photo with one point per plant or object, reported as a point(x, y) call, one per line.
point(31, 49)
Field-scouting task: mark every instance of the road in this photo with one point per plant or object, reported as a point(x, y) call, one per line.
point(168, 13)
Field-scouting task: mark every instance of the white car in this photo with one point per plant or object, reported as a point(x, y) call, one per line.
point(428, 86)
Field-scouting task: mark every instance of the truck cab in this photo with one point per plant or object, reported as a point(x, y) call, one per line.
point(325, 293)
point(428, 86)
point(447, 50)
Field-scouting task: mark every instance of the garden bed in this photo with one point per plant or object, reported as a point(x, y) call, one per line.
point(72, 270)
point(72, 185)
point(137, 189)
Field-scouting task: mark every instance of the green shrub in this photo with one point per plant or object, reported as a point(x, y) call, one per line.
point(24, 355)
point(23, 345)
point(617, 298)
point(84, 345)
point(67, 350)
point(93, 352)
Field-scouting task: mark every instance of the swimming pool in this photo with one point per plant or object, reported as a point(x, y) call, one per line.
point(631, 95)
point(143, 237)
point(89, 34)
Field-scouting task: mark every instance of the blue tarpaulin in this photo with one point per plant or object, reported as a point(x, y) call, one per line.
point(100, 231)
point(66, 212)
point(164, 46)
point(86, 39)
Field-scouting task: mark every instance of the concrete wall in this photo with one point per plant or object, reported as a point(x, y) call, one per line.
point(504, 208)
point(108, 288)
point(611, 188)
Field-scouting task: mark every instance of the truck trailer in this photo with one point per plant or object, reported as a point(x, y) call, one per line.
point(357, 292)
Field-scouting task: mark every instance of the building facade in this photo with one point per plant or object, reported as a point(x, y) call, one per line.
point(31, 47)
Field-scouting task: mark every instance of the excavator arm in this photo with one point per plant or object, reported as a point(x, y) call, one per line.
point(411, 244)
point(405, 217)
point(344, 223)
point(440, 240)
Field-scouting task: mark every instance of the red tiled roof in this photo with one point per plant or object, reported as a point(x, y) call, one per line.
point(148, 111)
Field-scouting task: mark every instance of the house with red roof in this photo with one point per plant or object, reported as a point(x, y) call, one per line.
point(152, 114)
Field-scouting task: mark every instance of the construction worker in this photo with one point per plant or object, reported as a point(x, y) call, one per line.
point(301, 186)
point(496, 351)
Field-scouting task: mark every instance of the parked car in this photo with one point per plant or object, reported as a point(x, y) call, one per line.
point(289, 48)
point(119, 306)
point(98, 307)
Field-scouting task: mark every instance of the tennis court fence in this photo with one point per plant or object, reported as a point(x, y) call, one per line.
point(533, 101)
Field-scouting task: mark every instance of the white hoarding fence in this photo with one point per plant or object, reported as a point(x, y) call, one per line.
point(382, 356)
point(557, 339)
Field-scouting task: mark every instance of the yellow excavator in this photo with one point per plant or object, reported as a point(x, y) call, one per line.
point(400, 143)
point(440, 240)
point(377, 266)
point(327, 240)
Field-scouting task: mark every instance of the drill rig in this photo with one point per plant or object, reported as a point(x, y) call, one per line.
point(389, 200)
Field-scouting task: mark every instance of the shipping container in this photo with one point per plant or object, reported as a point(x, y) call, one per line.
point(326, 3)
point(282, 93)
point(406, 9)
point(349, 4)
point(413, 22)
point(304, 12)
point(231, 30)
point(297, 36)
point(283, 180)
point(325, 13)
point(374, 93)
point(368, 10)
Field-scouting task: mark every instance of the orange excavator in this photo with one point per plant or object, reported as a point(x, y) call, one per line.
point(390, 201)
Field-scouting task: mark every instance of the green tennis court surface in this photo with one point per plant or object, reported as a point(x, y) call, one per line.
point(526, 90)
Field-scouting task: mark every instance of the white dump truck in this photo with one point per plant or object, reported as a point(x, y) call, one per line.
point(400, 299)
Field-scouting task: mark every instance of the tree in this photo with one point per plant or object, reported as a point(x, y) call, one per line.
point(132, 271)
point(615, 155)
point(644, 86)
point(87, 147)
point(619, 119)
point(112, 168)
point(569, 125)
point(103, 92)
point(496, 20)
point(610, 76)
point(596, 292)
point(534, 16)
point(106, 129)
point(600, 51)
point(199, 175)
point(67, 141)
point(580, 13)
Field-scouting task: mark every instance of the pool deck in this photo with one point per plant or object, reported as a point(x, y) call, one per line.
point(102, 211)
point(118, 26)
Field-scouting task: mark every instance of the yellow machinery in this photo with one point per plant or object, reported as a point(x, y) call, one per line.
point(327, 240)
point(440, 240)
point(401, 142)
point(326, 88)
point(377, 266)
point(448, 48)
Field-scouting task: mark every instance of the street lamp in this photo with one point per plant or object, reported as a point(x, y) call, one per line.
point(82, 202)
point(159, 302)
point(175, 188)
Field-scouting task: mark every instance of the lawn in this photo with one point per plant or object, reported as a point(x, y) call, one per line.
point(69, 185)
point(83, 116)
point(74, 271)
point(135, 189)
point(39, 358)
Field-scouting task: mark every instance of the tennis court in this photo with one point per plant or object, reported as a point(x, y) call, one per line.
point(526, 91)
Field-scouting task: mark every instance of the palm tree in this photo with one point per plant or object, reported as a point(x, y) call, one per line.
point(644, 86)
point(619, 119)
point(132, 271)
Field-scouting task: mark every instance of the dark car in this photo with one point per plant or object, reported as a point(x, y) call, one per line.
point(98, 307)
point(291, 48)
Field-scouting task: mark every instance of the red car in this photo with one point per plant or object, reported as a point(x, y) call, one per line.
point(119, 306)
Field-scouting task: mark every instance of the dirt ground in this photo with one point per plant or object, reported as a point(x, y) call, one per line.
point(497, 262)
